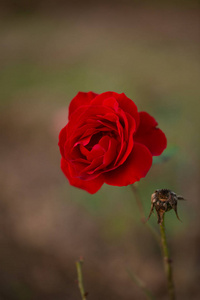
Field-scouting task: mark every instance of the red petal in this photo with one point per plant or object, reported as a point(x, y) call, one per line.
point(127, 143)
point(96, 151)
point(99, 164)
point(84, 150)
point(99, 99)
point(62, 140)
point(128, 106)
point(89, 171)
point(125, 103)
point(110, 155)
point(104, 142)
point(111, 102)
point(150, 136)
point(91, 186)
point(80, 99)
point(133, 169)
point(83, 113)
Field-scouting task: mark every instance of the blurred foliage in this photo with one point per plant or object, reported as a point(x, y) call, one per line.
point(37, 5)
point(166, 155)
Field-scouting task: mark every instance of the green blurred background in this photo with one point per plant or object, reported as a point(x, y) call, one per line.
point(49, 51)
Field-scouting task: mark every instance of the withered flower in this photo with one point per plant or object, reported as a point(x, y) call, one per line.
point(164, 200)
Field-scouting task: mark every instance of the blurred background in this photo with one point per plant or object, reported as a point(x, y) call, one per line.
point(50, 50)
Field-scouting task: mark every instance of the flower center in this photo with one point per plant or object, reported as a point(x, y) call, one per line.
point(97, 137)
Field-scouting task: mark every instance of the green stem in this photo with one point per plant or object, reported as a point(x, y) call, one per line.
point(167, 262)
point(80, 279)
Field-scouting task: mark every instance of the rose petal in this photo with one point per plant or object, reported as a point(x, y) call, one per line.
point(84, 150)
point(104, 142)
point(150, 136)
point(79, 117)
point(77, 166)
point(91, 186)
point(80, 99)
point(62, 140)
point(99, 99)
point(125, 103)
point(90, 170)
point(133, 169)
point(127, 144)
point(111, 102)
point(107, 124)
point(99, 164)
point(110, 155)
point(96, 151)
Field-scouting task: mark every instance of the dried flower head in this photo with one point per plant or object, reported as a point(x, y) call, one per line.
point(164, 200)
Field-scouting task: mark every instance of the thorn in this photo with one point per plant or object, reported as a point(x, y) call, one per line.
point(151, 210)
point(179, 197)
point(168, 260)
point(175, 209)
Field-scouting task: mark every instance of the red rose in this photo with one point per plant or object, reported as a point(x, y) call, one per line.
point(107, 141)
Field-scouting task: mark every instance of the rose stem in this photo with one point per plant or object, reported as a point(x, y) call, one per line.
point(167, 262)
point(142, 214)
point(80, 279)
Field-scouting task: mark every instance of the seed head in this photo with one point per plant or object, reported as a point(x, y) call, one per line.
point(164, 200)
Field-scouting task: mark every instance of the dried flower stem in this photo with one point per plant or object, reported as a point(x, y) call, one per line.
point(80, 279)
point(167, 262)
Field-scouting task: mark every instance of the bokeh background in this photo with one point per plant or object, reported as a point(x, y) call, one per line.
point(49, 50)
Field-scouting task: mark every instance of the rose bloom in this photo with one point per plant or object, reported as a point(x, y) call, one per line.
point(108, 141)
